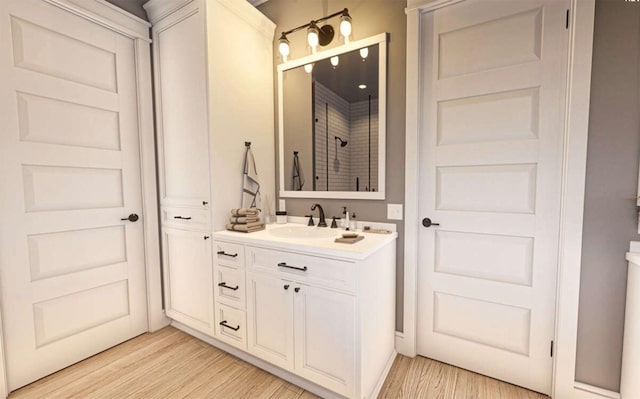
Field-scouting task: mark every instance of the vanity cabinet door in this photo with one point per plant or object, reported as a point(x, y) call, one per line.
point(270, 319)
point(188, 280)
point(325, 337)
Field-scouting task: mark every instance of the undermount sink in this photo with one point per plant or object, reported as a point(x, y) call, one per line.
point(303, 232)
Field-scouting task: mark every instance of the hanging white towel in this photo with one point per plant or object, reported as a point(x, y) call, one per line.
point(297, 176)
point(250, 182)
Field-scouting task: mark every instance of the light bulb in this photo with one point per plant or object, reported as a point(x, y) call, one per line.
point(283, 47)
point(312, 36)
point(334, 61)
point(308, 68)
point(362, 86)
point(364, 52)
point(345, 25)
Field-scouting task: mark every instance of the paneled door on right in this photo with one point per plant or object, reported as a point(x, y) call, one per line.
point(490, 171)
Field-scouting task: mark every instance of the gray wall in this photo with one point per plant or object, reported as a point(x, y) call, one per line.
point(610, 219)
point(133, 6)
point(370, 17)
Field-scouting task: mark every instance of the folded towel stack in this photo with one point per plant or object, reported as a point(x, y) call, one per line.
point(246, 220)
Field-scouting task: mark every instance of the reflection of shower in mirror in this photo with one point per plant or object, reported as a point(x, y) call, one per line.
point(343, 143)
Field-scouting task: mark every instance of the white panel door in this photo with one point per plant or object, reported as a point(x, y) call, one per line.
point(72, 272)
point(490, 162)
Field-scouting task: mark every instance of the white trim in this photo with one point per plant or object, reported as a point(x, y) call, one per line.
point(112, 18)
point(379, 39)
point(428, 5)
point(155, 312)
point(158, 9)
point(594, 392)
point(406, 345)
point(574, 173)
point(576, 126)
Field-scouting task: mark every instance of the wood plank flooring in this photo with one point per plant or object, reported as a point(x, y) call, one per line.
point(172, 364)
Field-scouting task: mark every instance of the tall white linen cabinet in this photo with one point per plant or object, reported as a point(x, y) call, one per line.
point(213, 81)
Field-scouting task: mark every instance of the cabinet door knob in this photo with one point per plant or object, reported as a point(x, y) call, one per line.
point(206, 237)
point(286, 287)
point(297, 289)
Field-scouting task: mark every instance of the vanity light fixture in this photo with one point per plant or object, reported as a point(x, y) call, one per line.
point(317, 35)
point(362, 87)
point(335, 60)
point(308, 68)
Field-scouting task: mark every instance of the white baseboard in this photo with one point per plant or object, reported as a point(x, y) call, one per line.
point(403, 347)
point(597, 393)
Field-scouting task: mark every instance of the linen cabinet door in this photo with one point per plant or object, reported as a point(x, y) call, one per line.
point(188, 278)
point(270, 319)
point(180, 69)
point(325, 337)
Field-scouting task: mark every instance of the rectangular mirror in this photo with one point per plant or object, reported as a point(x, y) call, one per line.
point(332, 119)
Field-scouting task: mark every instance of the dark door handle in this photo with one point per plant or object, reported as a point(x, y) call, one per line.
point(426, 222)
point(132, 218)
point(284, 264)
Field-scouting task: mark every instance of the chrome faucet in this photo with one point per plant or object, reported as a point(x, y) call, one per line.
point(321, 222)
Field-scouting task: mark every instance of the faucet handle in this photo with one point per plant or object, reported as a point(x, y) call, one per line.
point(310, 220)
point(334, 224)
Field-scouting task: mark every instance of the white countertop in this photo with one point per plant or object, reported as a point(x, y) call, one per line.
point(314, 246)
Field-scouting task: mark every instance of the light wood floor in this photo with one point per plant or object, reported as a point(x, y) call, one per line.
point(172, 364)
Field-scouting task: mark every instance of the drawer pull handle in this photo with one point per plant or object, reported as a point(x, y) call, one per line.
point(284, 264)
point(226, 254)
point(224, 285)
point(223, 323)
point(182, 217)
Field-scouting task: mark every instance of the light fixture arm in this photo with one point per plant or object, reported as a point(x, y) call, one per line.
point(316, 21)
point(317, 35)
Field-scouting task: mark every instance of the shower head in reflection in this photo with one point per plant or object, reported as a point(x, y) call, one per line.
point(343, 143)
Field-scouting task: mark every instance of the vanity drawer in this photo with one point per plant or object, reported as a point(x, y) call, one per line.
point(231, 326)
point(305, 268)
point(186, 218)
point(229, 286)
point(229, 254)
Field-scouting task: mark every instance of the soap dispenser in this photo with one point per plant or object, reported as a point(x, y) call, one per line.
point(353, 226)
point(344, 222)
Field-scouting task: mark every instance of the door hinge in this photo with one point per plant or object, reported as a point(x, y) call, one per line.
point(566, 25)
point(551, 350)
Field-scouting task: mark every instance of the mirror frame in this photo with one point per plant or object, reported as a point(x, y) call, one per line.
point(381, 40)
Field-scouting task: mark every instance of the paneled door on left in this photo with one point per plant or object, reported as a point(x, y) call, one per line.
point(71, 260)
